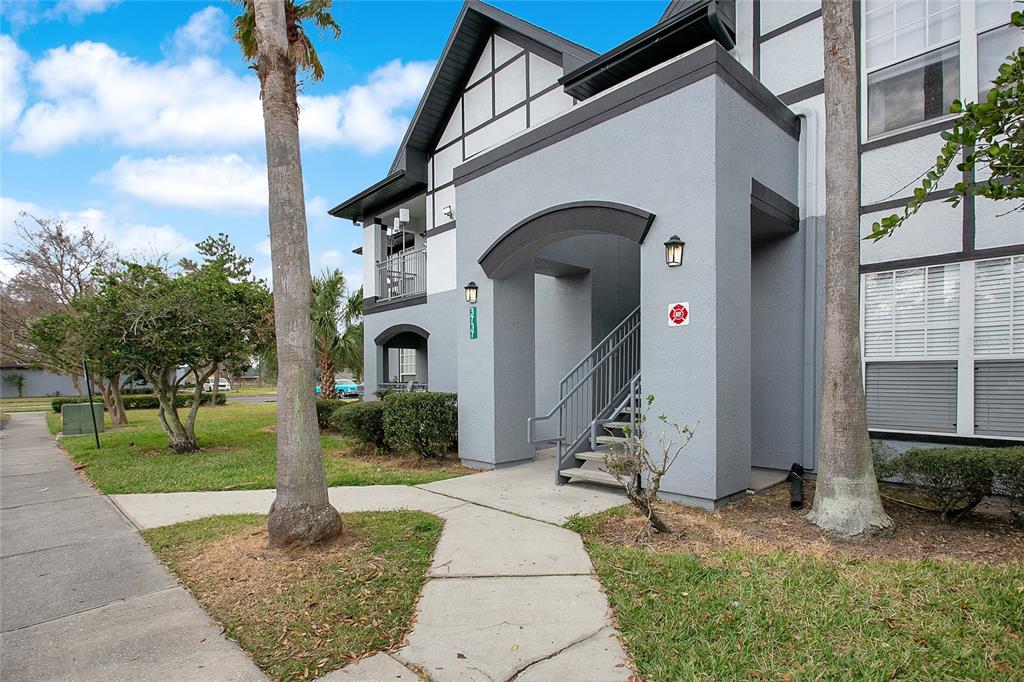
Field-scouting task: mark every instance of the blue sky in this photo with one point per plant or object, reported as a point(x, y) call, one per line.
point(140, 120)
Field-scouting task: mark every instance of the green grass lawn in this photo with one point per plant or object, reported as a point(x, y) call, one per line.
point(785, 615)
point(24, 404)
point(237, 453)
point(302, 613)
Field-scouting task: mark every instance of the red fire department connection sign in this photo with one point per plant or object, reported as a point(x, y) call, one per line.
point(678, 314)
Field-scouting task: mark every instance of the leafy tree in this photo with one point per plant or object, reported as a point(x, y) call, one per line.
point(16, 380)
point(846, 498)
point(171, 329)
point(272, 36)
point(990, 135)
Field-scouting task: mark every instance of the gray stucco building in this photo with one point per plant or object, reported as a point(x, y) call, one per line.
point(550, 178)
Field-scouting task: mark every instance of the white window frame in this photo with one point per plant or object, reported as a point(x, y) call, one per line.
point(403, 355)
point(965, 357)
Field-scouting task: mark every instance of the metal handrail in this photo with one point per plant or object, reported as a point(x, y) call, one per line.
point(614, 366)
point(403, 274)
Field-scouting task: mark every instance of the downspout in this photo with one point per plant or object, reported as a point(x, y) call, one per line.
point(812, 206)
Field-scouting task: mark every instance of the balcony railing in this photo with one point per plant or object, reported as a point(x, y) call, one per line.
point(401, 275)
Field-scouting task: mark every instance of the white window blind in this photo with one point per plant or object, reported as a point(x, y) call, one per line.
point(999, 306)
point(912, 313)
point(897, 29)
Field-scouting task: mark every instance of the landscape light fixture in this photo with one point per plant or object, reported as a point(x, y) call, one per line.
point(471, 290)
point(674, 251)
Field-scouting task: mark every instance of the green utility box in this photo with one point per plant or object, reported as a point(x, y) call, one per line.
point(75, 418)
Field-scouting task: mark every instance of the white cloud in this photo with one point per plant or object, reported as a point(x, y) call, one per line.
point(13, 61)
point(222, 184)
point(76, 10)
point(22, 13)
point(205, 32)
point(131, 239)
point(89, 92)
point(330, 259)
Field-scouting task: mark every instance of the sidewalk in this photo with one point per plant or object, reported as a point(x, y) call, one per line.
point(81, 595)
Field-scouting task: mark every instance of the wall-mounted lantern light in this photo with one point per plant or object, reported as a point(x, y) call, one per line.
point(448, 212)
point(674, 251)
point(471, 290)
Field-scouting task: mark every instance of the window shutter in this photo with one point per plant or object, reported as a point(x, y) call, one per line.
point(911, 396)
point(999, 398)
point(999, 306)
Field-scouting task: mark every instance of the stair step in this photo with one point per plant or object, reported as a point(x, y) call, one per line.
point(591, 476)
point(619, 426)
point(591, 456)
point(612, 440)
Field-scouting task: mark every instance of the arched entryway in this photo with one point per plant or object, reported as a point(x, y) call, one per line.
point(402, 358)
point(553, 285)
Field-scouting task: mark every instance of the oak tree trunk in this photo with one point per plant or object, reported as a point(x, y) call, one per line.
point(216, 384)
point(846, 498)
point(117, 414)
point(301, 513)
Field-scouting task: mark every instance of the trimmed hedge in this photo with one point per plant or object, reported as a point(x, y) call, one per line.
point(325, 412)
point(140, 402)
point(363, 421)
point(956, 479)
point(426, 423)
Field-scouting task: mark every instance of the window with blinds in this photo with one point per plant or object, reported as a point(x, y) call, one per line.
point(912, 313)
point(999, 398)
point(999, 307)
point(911, 396)
point(407, 362)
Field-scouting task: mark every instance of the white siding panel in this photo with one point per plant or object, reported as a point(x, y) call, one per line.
point(549, 105)
point(478, 104)
point(890, 172)
point(543, 74)
point(994, 226)
point(443, 197)
point(441, 262)
point(454, 127)
point(497, 131)
point(793, 59)
point(510, 85)
point(445, 162)
point(370, 260)
point(937, 228)
point(504, 51)
point(776, 13)
point(484, 65)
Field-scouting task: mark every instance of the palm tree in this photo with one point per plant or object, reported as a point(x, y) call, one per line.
point(846, 498)
point(326, 310)
point(273, 38)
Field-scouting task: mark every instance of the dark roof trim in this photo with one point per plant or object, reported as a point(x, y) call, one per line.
point(710, 60)
point(389, 191)
point(557, 222)
point(395, 330)
point(372, 304)
point(771, 214)
point(691, 24)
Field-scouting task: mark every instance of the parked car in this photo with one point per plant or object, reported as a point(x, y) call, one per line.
point(224, 385)
point(345, 389)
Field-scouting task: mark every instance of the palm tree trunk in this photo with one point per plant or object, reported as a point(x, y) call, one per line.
point(327, 377)
point(846, 498)
point(301, 513)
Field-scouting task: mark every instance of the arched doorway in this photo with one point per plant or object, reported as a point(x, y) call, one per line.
point(402, 358)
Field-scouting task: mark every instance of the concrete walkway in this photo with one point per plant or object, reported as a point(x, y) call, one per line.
point(510, 596)
point(81, 595)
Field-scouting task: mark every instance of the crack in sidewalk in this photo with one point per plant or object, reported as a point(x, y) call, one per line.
point(548, 657)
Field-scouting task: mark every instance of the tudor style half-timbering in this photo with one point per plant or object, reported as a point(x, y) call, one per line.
point(551, 177)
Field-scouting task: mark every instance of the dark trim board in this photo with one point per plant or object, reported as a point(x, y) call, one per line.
point(710, 60)
point(803, 92)
point(756, 41)
point(944, 258)
point(371, 306)
point(440, 229)
point(786, 28)
point(900, 202)
point(950, 438)
point(771, 214)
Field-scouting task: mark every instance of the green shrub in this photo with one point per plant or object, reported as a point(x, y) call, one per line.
point(363, 421)
point(1008, 478)
point(141, 402)
point(425, 423)
point(325, 411)
point(953, 479)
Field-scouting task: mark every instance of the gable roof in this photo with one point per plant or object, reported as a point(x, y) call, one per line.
point(476, 22)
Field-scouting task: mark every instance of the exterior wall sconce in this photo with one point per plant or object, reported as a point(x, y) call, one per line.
point(674, 251)
point(471, 290)
point(448, 212)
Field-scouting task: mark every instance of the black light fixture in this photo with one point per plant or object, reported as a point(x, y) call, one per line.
point(471, 290)
point(674, 251)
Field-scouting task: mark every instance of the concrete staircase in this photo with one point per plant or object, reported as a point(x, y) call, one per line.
point(591, 463)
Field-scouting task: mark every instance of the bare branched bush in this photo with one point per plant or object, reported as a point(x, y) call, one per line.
point(639, 470)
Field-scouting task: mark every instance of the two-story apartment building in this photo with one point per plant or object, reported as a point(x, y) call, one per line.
point(560, 227)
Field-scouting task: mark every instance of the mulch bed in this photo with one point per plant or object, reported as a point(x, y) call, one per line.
point(764, 523)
